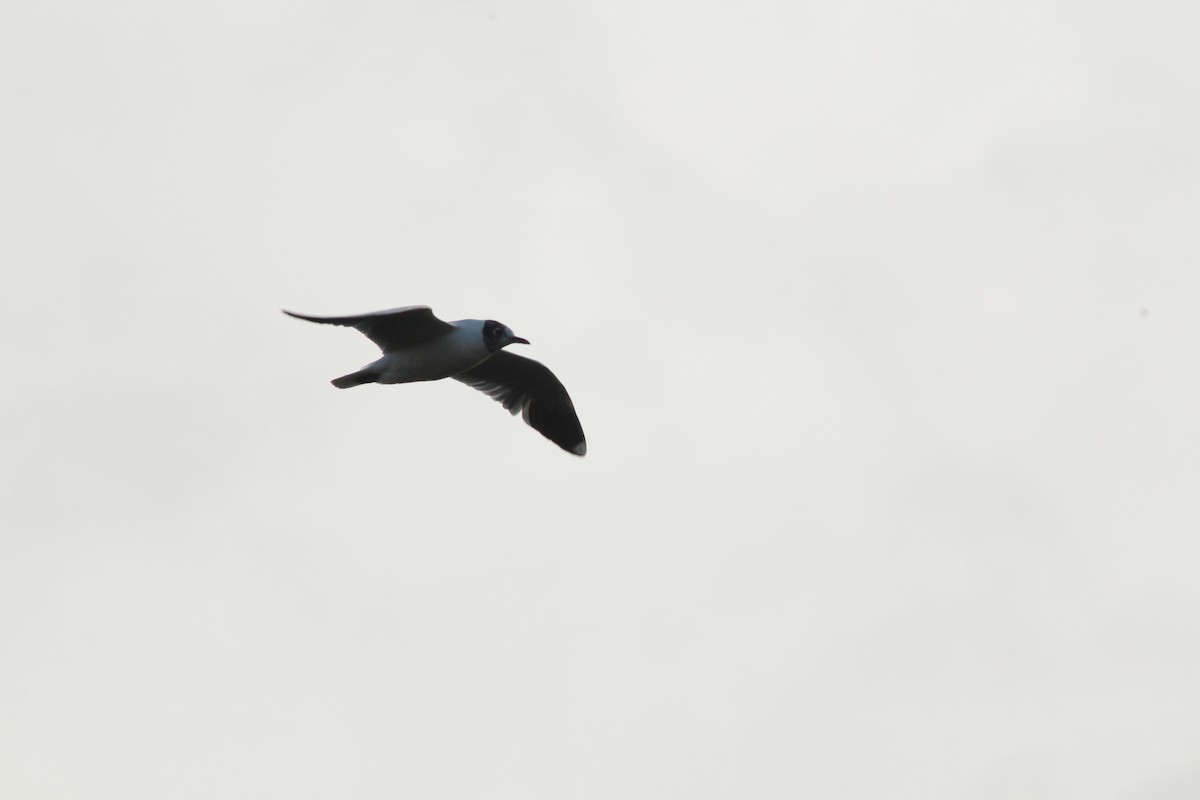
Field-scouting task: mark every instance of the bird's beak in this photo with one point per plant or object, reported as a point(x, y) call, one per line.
point(518, 340)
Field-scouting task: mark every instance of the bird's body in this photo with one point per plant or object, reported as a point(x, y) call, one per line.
point(417, 346)
point(444, 357)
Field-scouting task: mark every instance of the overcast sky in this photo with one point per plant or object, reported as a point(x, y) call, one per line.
point(881, 319)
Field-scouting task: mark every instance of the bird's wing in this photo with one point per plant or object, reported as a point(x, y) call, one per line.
point(522, 384)
point(393, 329)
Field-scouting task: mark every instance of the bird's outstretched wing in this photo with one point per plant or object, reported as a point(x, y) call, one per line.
point(524, 385)
point(393, 329)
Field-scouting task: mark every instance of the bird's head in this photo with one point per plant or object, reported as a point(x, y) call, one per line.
point(497, 335)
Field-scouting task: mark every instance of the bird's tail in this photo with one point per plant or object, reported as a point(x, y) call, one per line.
point(355, 378)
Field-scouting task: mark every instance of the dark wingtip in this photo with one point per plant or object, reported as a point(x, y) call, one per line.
point(572, 442)
point(304, 317)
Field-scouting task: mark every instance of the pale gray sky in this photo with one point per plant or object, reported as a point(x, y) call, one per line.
point(882, 321)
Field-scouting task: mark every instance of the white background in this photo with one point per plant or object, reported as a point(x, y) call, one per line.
point(881, 319)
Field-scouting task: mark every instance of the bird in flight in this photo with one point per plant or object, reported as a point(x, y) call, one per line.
point(417, 346)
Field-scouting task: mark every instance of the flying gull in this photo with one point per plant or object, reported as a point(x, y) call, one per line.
point(417, 346)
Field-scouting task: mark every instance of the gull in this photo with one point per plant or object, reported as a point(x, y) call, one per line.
point(417, 346)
